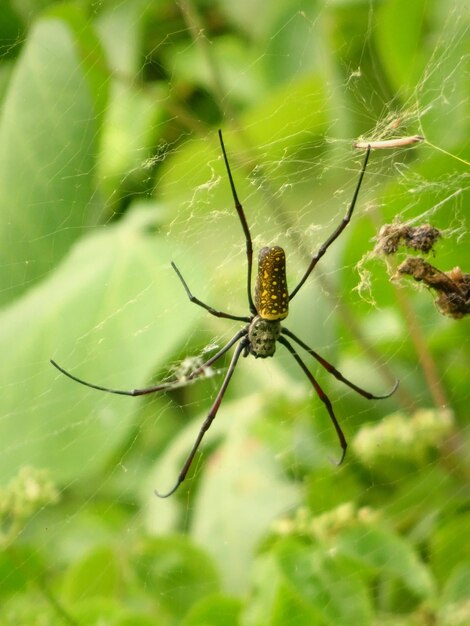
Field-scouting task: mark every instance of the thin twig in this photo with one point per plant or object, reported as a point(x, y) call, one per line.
point(428, 364)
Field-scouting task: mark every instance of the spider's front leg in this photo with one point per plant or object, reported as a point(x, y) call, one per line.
point(337, 232)
point(207, 422)
point(166, 386)
point(205, 306)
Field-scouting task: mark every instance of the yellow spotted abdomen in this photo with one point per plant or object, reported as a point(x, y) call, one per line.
point(271, 295)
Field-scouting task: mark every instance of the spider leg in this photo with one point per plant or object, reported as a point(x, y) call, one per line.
point(207, 422)
point(321, 394)
point(211, 310)
point(244, 223)
point(332, 370)
point(337, 232)
point(162, 386)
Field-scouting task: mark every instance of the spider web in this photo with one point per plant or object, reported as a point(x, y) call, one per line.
point(119, 174)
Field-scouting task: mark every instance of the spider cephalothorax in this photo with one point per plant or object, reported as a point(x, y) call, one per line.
point(262, 337)
point(262, 330)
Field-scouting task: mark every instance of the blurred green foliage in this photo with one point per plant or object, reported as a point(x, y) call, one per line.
point(109, 169)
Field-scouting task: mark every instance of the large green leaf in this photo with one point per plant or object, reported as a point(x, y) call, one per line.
point(242, 476)
point(403, 60)
point(448, 546)
point(178, 573)
point(326, 582)
point(389, 555)
point(308, 585)
point(134, 113)
point(246, 481)
point(97, 574)
point(214, 610)
point(111, 313)
point(48, 133)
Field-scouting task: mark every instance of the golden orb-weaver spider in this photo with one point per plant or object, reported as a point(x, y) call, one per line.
point(263, 327)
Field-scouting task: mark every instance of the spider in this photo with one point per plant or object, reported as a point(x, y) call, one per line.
point(262, 329)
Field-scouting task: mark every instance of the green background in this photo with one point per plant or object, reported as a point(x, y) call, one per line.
point(110, 169)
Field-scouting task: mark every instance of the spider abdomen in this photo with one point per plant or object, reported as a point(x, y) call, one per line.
point(262, 335)
point(271, 295)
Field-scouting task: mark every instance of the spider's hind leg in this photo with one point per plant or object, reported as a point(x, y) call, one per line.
point(322, 395)
point(337, 374)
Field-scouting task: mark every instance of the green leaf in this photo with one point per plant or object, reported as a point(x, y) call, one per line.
point(448, 546)
point(109, 612)
point(454, 605)
point(18, 567)
point(134, 112)
point(11, 29)
point(128, 136)
point(48, 133)
point(431, 489)
point(292, 32)
point(114, 296)
point(189, 66)
point(241, 477)
point(398, 41)
point(458, 584)
point(133, 618)
point(215, 610)
point(98, 574)
point(290, 607)
point(178, 572)
point(325, 582)
point(274, 601)
point(388, 555)
point(306, 585)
